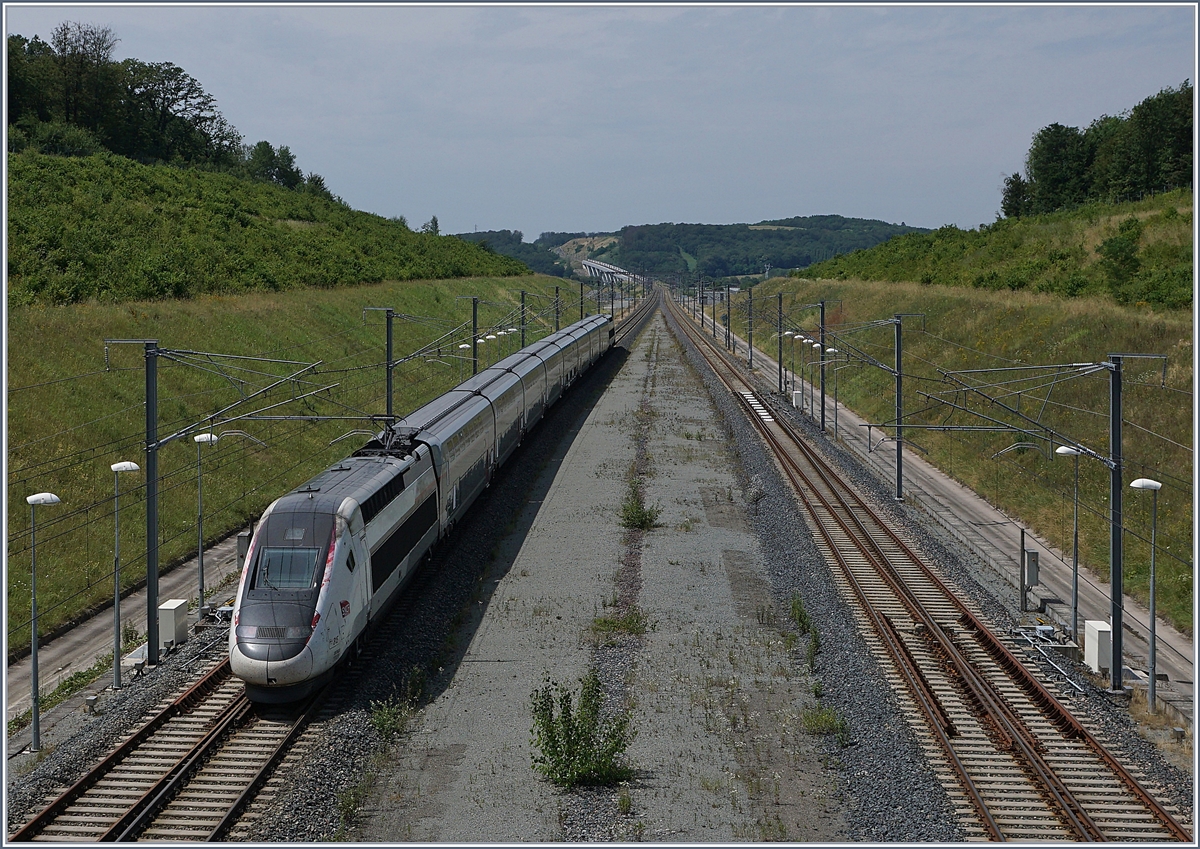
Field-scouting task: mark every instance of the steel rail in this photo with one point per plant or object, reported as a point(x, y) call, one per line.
point(1050, 706)
point(146, 808)
point(992, 707)
point(935, 714)
point(264, 772)
point(186, 701)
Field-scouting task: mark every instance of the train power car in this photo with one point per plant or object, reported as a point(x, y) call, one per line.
point(327, 559)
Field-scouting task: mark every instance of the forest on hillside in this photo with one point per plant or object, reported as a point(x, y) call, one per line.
point(725, 250)
point(1116, 158)
point(511, 243)
point(69, 97)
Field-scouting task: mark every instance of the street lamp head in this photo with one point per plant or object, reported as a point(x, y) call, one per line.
point(42, 498)
point(788, 333)
point(512, 330)
point(1067, 451)
point(464, 345)
point(1145, 483)
point(817, 346)
point(206, 438)
point(125, 466)
point(831, 350)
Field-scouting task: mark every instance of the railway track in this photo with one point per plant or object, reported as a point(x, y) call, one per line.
point(196, 766)
point(183, 775)
point(1014, 760)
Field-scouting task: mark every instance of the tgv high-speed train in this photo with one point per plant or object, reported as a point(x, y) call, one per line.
point(327, 559)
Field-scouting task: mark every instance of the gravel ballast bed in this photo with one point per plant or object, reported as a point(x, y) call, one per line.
point(1108, 717)
point(888, 792)
point(79, 740)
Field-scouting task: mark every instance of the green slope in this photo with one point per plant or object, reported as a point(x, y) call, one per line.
point(76, 405)
point(959, 329)
point(1138, 252)
point(105, 228)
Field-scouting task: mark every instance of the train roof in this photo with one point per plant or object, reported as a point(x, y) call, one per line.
point(355, 477)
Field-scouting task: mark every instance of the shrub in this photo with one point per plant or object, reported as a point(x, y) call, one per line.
point(635, 515)
point(390, 716)
point(577, 745)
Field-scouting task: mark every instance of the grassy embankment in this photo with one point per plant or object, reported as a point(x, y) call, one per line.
point(1139, 253)
point(105, 228)
point(80, 418)
point(969, 328)
point(104, 248)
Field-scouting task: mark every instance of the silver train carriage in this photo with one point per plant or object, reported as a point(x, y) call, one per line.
point(327, 560)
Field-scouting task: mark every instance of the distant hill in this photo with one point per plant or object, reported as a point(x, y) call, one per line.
point(725, 250)
point(105, 228)
point(537, 255)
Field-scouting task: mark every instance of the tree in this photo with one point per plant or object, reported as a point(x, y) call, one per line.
point(430, 226)
point(32, 80)
point(264, 162)
point(1056, 168)
point(169, 115)
point(1160, 129)
point(1015, 201)
point(87, 75)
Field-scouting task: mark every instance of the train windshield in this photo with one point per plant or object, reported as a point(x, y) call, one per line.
point(293, 551)
point(287, 568)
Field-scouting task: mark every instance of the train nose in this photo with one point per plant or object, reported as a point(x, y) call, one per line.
point(273, 631)
point(267, 677)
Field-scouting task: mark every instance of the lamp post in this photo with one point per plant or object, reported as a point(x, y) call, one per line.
point(1153, 486)
point(462, 347)
point(835, 397)
point(201, 439)
point(790, 335)
point(1068, 451)
point(117, 468)
point(42, 499)
point(207, 439)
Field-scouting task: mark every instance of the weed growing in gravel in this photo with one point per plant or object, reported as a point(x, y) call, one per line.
point(577, 745)
point(390, 716)
point(633, 622)
point(814, 646)
point(635, 515)
point(624, 801)
point(800, 615)
point(825, 720)
point(348, 803)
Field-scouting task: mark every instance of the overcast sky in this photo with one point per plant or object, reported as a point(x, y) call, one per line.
point(593, 117)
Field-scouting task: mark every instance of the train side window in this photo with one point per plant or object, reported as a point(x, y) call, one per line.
point(350, 561)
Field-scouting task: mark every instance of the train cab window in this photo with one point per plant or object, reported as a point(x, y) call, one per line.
point(292, 556)
point(286, 568)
